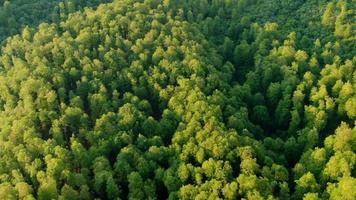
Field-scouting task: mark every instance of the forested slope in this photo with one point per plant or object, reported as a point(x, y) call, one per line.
point(181, 99)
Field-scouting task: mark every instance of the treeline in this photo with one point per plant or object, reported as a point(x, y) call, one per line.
point(168, 99)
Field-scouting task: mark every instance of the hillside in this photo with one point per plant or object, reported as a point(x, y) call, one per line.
point(178, 99)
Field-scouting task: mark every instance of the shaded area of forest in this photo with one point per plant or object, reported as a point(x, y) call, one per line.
point(15, 15)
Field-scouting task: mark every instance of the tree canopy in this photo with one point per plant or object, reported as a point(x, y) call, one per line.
point(177, 99)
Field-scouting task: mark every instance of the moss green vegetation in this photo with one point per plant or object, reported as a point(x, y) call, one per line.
point(178, 99)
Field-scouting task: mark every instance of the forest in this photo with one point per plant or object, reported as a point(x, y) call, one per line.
point(177, 99)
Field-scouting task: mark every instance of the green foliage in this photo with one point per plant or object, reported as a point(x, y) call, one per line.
point(16, 15)
point(177, 99)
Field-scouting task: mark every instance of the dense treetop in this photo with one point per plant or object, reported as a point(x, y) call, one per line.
point(17, 14)
point(178, 99)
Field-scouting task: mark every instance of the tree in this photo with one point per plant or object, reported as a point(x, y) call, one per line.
point(48, 189)
point(135, 182)
point(327, 18)
point(344, 189)
point(306, 184)
point(7, 191)
point(242, 54)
